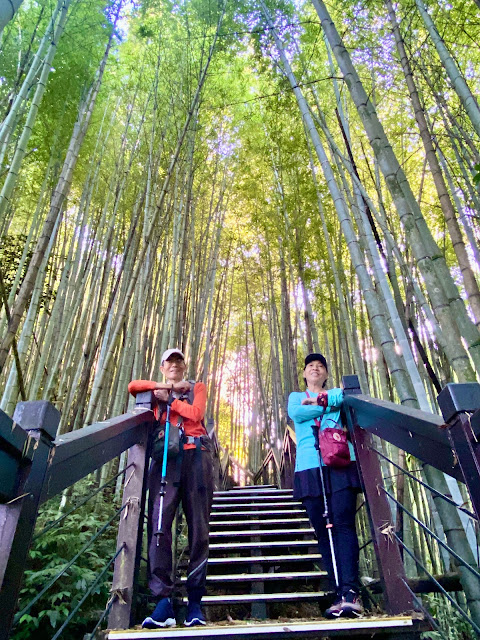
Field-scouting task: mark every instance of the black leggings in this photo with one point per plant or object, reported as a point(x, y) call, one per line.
point(342, 507)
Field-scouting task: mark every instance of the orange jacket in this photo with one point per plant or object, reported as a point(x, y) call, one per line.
point(192, 414)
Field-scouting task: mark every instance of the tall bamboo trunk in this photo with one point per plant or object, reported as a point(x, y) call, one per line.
point(56, 205)
point(446, 203)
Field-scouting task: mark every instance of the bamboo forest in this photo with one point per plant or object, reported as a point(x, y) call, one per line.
point(247, 181)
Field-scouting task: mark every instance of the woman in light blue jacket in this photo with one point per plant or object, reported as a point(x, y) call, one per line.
point(310, 410)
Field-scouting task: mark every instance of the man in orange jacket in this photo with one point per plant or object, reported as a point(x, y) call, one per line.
point(189, 479)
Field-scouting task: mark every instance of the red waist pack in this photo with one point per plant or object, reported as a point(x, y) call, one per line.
point(333, 444)
point(334, 447)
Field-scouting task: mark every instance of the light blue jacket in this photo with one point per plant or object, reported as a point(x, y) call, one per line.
point(303, 416)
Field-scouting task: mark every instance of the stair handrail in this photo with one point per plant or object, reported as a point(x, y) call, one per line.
point(40, 466)
point(449, 444)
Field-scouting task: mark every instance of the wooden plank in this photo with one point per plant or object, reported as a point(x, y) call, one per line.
point(397, 597)
point(237, 546)
point(249, 498)
point(252, 492)
point(266, 522)
point(14, 458)
point(80, 452)
point(260, 577)
point(261, 597)
point(273, 512)
point(303, 557)
point(129, 536)
point(369, 627)
point(262, 532)
point(256, 505)
point(40, 421)
point(412, 430)
point(255, 486)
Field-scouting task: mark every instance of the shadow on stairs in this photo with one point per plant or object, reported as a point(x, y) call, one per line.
point(265, 578)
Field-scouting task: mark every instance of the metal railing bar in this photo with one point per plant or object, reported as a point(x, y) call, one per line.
point(425, 528)
point(67, 566)
point(365, 544)
point(362, 504)
point(102, 617)
point(427, 486)
point(80, 504)
point(427, 613)
point(89, 591)
point(445, 593)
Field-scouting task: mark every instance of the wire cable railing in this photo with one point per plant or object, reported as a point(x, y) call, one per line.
point(108, 608)
point(425, 611)
point(456, 606)
point(394, 535)
point(69, 564)
point(469, 513)
point(77, 506)
point(433, 535)
point(88, 592)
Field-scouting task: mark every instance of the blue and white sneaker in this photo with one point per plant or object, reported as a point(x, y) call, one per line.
point(163, 616)
point(195, 615)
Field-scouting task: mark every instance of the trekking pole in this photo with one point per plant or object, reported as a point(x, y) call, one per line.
point(326, 515)
point(163, 481)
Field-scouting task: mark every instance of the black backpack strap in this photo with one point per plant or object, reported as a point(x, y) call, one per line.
point(189, 397)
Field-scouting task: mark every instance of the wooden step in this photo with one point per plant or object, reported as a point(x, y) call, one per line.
point(264, 577)
point(394, 627)
point(255, 486)
point(258, 499)
point(240, 546)
point(303, 557)
point(272, 512)
point(262, 532)
point(247, 598)
point(256, 505)
point(267, 522)
point(254, 492)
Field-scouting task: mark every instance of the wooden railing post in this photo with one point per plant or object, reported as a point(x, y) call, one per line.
point(130, 529)
point(392, 573)
point(40, 420)
point(456, 402)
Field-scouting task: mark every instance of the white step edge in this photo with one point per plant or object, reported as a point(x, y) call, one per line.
point(253, 486)
point(281, 512)
point(255, 505)
point(280, 628)
point(264, 577)
point(303, 557)
point(247, 493)
point(232, 546)
point(262, 532)
point(261, 597)
point(255, 498)
point(268, 521)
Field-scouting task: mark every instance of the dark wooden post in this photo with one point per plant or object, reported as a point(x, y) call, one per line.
point(392, 573)
point(40, 420)
point(456, 402)
point(130, 529)
point(15, 465)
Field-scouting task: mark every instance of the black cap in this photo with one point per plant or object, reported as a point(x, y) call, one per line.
point(316, 356)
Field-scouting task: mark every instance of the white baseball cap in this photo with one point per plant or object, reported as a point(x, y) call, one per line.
point(169, 352)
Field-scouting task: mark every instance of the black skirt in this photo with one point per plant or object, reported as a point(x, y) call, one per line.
point(307, 484)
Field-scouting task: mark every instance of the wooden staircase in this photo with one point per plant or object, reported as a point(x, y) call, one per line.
point(265, 576)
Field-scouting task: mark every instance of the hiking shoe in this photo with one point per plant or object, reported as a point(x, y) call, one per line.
point(163, 616)
point(334, 610)
point(195, 615)
point(351, 605)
